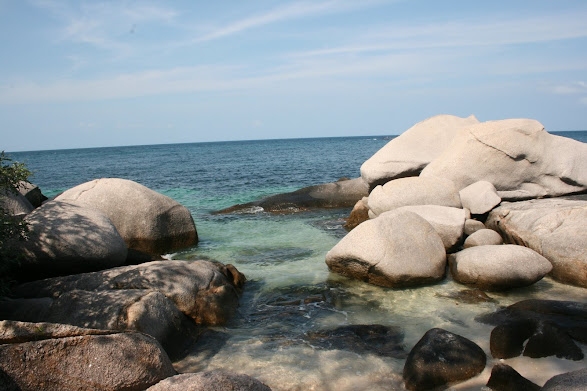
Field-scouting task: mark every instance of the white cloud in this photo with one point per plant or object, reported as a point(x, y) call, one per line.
point(578, 87)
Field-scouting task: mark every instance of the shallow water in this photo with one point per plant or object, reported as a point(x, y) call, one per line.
point(290, 292)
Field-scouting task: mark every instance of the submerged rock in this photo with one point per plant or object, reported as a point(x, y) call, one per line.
point(376, 339)
point(498, 267)
point(147, 221)
point(376, 251)
point(468, 296)
point(342, 194)
point(126, 361)
point(505, 378)
point(217, 380)
point(66, 239)
point(441, 358)
point(407, 154)
point(413, 191)
point(556, 228)
point(517, 156)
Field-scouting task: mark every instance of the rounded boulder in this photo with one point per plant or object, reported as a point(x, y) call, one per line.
point(498, 267)
point(147, 221)
point(397, 249)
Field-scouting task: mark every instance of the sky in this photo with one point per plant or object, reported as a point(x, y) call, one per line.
point(77, 74)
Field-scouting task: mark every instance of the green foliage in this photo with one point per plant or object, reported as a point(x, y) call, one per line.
point(12, 229)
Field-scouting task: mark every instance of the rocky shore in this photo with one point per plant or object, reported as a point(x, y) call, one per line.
point(494, 206)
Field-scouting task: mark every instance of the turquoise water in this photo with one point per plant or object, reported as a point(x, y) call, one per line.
point(289, 290)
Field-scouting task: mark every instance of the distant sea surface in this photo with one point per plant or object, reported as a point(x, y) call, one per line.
point(289, 290)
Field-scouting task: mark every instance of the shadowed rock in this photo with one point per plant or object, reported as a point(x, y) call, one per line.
point(441, 358)
point(32, 193)
point(342, 194)
point(505, 378)
point(129, 361)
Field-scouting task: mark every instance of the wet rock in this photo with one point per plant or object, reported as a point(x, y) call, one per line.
point(517, 156)
point(479, 197)
point(67, 239)
point(448, 222)
point(413, 191)
point(498, 267)
point(359, 214)
point(570, 381)
point(505, 378)
point(549, 340)
point(407, 154)
point(206, 291)
point(376, 251)
point(147, 221)
point(468, 296)
point(570, 316)
point(483, 237)
point(381, 340)
point(442, 358)
point(341, 194)
point(217, 380)
point(555, 228)
point(129, 361)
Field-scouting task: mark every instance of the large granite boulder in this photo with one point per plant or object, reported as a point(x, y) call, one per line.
point(217, 380)
point(407, 154)
point(570, 381)
point(397, 249)
point(498, 267)
point(517, 156)
point(341, 194)
point(206, 291)
point(483, 237)
point(448, 222)
point(126, 361)
point(556, 228)
point(124, 310)
point(147, 221)
point(66, 239)
point(413, 191)
point(441, 358)
point(479, 197)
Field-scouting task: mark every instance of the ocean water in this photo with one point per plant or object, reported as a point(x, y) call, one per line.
point(290, 292)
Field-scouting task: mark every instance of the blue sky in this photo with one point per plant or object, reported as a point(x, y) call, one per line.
point(104, 73)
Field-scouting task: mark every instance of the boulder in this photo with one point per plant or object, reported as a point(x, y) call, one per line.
point(517, 156)
point(479, 197)
point(472, 226)
point(448, 222)
point(413, 191)
point(543, 339)
point(206, 291)
point(147, 221)
point(441, 358)
point(66, 239)
point(128, 361)
point(556, 228)
point(376, 251)
point(217, 380)
point(341, 194)
point(505, 378)
point(570, 381)
point(14, 203)
point(570, 316)
point(483, 237)
point(32, 193)
point(125, 309)
point(498, 267)
point(359, 214)
point(407, 154)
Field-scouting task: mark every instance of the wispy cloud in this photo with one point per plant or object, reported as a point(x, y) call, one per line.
point(577, 87)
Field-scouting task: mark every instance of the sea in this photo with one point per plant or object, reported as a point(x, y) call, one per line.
point(290, 294)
